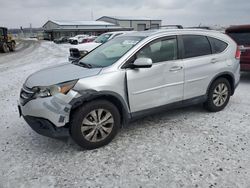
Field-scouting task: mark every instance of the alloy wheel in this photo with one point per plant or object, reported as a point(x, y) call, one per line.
point(220, 94)
point(97, 125)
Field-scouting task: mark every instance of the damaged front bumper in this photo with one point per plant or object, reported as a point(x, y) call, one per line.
point(46, 128)
point(48, 116)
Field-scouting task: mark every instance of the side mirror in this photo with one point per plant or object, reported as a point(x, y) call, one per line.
point(143, 63)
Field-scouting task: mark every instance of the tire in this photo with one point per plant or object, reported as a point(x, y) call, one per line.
point(75, 42)
point(12, 46)
point(218, 95)
point(85, 129)
point(5, 48)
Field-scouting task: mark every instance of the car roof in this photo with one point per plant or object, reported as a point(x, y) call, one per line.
point(115, 32)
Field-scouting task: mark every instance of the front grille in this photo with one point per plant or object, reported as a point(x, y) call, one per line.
point(26, 95)
point(74, 52)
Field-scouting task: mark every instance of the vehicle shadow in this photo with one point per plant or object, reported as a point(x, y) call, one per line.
point(166, 115)
point(49, 145)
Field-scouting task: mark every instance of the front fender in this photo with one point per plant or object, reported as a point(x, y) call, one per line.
point(115, 98)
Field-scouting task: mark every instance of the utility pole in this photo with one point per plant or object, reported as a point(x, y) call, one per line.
point(31, 30)
point(92, 15)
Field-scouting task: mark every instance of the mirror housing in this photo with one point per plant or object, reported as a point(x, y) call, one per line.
point(142, 63)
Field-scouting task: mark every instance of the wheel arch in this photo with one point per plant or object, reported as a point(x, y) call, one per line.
point(114, 98)
point(227, 75)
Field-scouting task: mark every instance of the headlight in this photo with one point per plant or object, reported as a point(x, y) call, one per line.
point(48, 91)
point(83, 53)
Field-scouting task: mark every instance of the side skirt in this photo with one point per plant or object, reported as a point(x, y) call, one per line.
point(151, 111)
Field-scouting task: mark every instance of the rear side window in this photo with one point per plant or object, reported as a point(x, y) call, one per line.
point(218, 46)
point(196, 45)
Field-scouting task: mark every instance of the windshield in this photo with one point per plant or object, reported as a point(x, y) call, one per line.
point(108, 53)
point(103, 38)
point(241, 38)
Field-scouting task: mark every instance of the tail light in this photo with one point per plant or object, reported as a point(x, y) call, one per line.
point(238, 53)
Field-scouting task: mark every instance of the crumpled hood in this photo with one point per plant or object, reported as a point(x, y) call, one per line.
point(58, 74)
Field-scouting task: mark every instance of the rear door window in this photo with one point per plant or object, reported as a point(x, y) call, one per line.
point(196, 45)
point(241, 38)
point(218, 46)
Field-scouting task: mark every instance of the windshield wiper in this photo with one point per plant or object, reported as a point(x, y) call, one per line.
point(87, 65)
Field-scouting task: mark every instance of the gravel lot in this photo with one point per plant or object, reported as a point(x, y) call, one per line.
point(187, 147)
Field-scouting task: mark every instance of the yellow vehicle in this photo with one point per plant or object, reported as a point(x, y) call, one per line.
point(6, 42)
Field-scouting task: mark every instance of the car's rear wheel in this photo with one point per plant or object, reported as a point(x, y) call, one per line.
point(218, 95)
point(95, 124)
point(12, 46)
point(75, 42)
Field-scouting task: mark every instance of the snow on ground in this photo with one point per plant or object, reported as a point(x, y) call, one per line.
point(187, 147)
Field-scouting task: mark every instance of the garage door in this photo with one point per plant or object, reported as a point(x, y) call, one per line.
point(155, 26)
point(141, 27)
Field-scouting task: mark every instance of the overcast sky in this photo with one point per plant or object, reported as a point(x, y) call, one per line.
point(16, 13)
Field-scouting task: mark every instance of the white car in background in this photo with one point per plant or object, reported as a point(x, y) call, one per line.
point(81, 50)
point(77, 39)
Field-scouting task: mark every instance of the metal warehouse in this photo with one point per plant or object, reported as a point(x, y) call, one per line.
point(55, 29)
point(138, 24)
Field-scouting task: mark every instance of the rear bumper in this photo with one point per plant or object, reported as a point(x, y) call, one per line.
point(245, 61)
point(46, 128)
point(245, 66)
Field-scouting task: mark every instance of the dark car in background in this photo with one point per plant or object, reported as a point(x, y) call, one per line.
point(61, 40)
point(241, 35)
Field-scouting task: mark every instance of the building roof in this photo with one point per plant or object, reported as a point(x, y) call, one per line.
point(128, 18)
point(80, 23)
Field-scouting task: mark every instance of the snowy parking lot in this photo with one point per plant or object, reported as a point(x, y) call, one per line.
point(187, 147)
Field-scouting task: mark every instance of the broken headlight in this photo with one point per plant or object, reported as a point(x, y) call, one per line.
point(83, 53)
point(47, 91)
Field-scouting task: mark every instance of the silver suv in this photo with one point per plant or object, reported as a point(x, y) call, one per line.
point(129, 77)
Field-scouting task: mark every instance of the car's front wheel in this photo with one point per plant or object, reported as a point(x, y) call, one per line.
point(95, 124)
point(218, 95)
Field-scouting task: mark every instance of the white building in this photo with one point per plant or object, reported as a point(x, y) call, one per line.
point(57, 29)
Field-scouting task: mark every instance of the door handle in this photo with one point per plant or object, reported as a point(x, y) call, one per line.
point(175, 68)
point(214, 60)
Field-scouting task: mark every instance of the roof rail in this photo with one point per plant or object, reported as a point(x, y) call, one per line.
point(199, 27)
point(167, 27)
